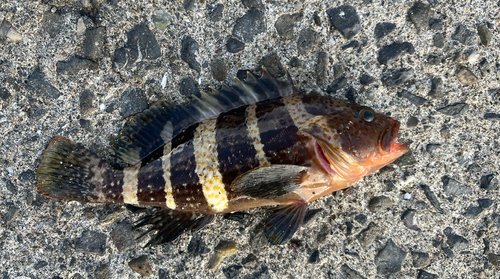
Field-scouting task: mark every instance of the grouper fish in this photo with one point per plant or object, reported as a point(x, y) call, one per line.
point(255, 143)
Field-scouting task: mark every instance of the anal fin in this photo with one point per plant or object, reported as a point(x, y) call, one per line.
point(170, 224)
point(284, 221)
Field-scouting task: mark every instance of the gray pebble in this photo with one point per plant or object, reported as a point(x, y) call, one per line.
point(124, 236)
point(10, 186)
point(365, 79)
point(337, 85)
point(338, 71)
point(139, 38)
point(215, 12)
point(383, 29)
point(494, 259)
point(86, 99)
point(408, 218)
point(93, 46)
point(4, 94)
point(262, 273)
point(484, 67)
point(408, 159)
point(381, 203)
point(296, 62)
point(314, 258)
point(219, 69)
point(389, 259)
point(133, 101)
point(197, 246)
point(490, 115)
point(422, 274)
point(10, 215)
point(431, 147)
point(484, 34)
point(420, 14)
point(188, 87)
point(412, 98)
point(232, 271)
point(391, 52)
point(233, 45)
point(346, 19)
point(307, 40)
point(361, 218)
point(321, 67)
point(429, 194)
point(188, 53)
point(454, 109)
point(141, 266)
point(464, 35)
point(190, 5)
point(38, 85)
point(420, 259)
point(466, 76)
point(485, 203)
point(454, 188)
point(40, 264)
point(369, 234)
point(396, 77)
point(317, 19)
point(251, 258)
point(457, 242)
point(473, 211)
point(85, 124)
point(4, 29)
point(27, 176)
point(487, 183)
point(351, 44)
point(252, 4)
point(161, 19)
point(436, 24)
point(311, 215)
point(91, 242)
point(74, 65)
point(239, 216)
point(102, 272)
point(495, 219)
point(438, 40)
point(437, 90)
point(250, 25)
point(350, 273)
point(52, 23)
point(273, 64)
point(285, 23)
point(412, 122)
point(434, 59)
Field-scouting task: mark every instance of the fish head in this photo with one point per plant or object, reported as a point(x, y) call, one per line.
point(352, 141)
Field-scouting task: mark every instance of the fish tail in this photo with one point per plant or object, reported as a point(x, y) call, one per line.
point(70, 171)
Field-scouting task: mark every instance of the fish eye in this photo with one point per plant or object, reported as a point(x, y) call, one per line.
point(367, 114)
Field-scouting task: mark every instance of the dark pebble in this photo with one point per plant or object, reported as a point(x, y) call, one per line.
point(162, 274)
point(141, 38)
point(240, 217)
point(124, 57)
point(307, 40)
point(252, 4)
point(273, 64)
point(242, 74)
point(495, 218)
point(93, 46)
point(383, 29)
point(361, 218)
point(448, 252)
point(381, 203)
point(323, 235)
point(251, 258)
point(91, 242)
point(337, 85)
point(494, 259)
point(412, 122)
point(473, 211)
point(346, 19)
point(412, 98)
point(487, 183)
point(317, 19)
point(314, 258)
point(434, 59)
point(234, 45)
point(197, 246)
point(311, 215)
point(436, 24)
point(474, 168)
point(74, 65)
point(420, 14)
point(27, 176)
point(295, 62)
point(133, 101)
point(366, 79)
point(454, 109)
point(484, 67)
point(431, 147)
point(141, 266)
point(189, 48)
point(321, 67)
point(40, 264)
point(4, 94)
point(490, 115)
point(396, 77)
point(350, 94)
point(420, 259)
point(485, 203)
point(464, 35)
point(350, 273)
point(389, 259)
point(10, 186)
point(85, 124)
point(124, 236)
point(285, 24)
point(484, 34)
point(369, 234)
point(352, 44)
point(391, 52)
point(408, 219)
point(52, 23)
point(219, 69)
point(262, 273)
point(215, 12)
point(429, 194)
point(38, 85)
point(249, 25)
point(232, 271)
point(4, 29)
point(189, 5)
point(188, 87)
point(389, 185)
point(10, 215)
point(438, 40)
point(422, 274)
point(338, 71)
point(457, 242)
point(454, 188)
point(437, 90)
point(408, 159)
point(102, 272)
point(86, 99)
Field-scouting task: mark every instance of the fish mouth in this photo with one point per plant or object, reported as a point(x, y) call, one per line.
point(335, 162)
point(387, 140)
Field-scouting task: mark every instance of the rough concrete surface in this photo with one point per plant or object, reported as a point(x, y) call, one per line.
point(75, 68)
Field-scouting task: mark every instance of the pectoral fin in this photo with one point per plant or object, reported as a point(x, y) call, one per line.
point(270, 182)
point(284, 221)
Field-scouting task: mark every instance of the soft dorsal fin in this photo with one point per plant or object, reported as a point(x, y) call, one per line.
point(149, 130)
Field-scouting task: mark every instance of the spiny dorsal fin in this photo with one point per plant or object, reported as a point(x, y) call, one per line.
point(149, 130)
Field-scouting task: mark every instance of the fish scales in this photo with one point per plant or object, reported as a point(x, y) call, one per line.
point(254, 144)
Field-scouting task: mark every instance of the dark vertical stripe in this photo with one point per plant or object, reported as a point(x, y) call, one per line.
point(186, 188)
point(236, 153)
point(278, 132)
point(113, 181)
point(150, 184)
point(184, 136)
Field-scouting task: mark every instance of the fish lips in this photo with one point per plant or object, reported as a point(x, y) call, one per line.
point(387, 140)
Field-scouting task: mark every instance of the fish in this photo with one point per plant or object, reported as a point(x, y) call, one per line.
point(256, 143)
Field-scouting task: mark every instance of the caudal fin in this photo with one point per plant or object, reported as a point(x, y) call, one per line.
point(69, 171)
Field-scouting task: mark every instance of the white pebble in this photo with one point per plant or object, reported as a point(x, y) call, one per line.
point(80, 27)
point(102, 106)
point(407, 196)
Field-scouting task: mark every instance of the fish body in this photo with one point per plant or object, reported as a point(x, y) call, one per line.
point(259, 145)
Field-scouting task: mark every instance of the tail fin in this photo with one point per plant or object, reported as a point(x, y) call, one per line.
point(69, 171)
